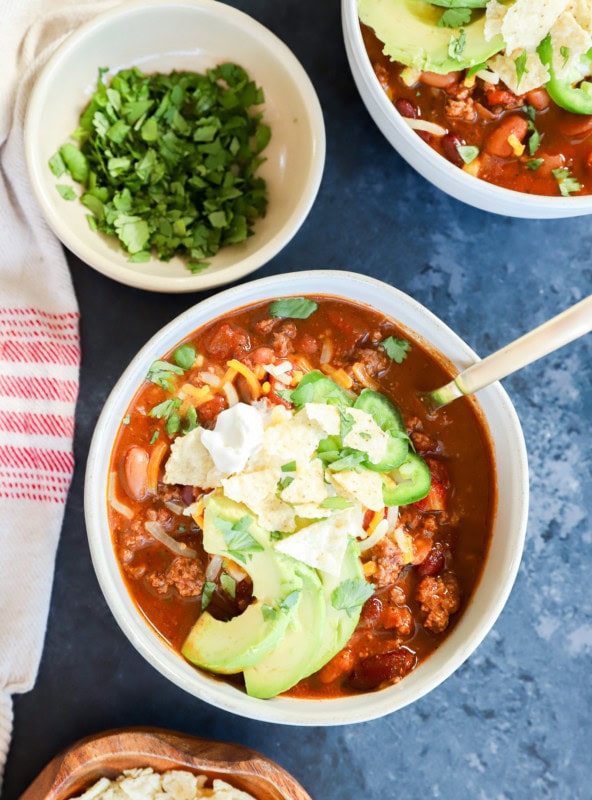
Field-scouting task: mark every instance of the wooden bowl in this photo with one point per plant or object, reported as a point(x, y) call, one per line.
point(108, 754)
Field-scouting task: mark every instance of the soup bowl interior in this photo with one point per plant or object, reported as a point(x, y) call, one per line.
point(508, 530)
point(190, 35)
point(430, 164)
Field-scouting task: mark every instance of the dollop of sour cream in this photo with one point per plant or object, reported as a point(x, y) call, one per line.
point(238, 435)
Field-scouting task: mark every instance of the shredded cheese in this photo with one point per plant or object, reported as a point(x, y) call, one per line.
point(248, 375)
point(516, 144)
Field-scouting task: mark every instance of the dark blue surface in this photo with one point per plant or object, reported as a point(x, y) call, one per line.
point(514, 722)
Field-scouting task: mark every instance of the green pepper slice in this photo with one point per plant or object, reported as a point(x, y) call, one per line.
point(388, 417)
point(413, 479)
point(563, 91)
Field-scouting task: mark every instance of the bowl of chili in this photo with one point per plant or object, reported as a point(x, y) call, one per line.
point(174, 145)
point(363, 601)
point(504, 132)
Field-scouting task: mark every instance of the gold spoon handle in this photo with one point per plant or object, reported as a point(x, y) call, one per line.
point(553, 334)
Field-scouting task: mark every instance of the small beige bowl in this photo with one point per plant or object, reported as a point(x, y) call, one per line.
point(182, 35)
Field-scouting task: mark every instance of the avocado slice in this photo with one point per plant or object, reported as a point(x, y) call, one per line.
point(340, 624)
point(229, 647)
point(291, 659)
point(410, 33)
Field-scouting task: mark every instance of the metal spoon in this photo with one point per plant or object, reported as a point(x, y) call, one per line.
point(558, 331)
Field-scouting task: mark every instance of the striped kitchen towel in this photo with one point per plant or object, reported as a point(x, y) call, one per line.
point(39, 360)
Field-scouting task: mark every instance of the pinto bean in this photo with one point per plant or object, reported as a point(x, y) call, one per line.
point(450, 145)
point(551, 161)
point(439, 81)
point(538, 98)
point(377, 669)
point(406, 108)
point(576, 126)
point(134, 472)
point(497, 144)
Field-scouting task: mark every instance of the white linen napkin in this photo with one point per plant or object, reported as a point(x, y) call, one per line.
point(39, 359)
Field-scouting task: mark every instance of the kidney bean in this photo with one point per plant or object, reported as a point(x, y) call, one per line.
point(433, 562)
point(371, 609)
point(187, 495)
point(439, 81)
point(577, 126)
point(497, 144)
point(551, 161)
point(538, 98)
point(406, 108)
point(450, 143)
point(372, 671)
point(134, 472)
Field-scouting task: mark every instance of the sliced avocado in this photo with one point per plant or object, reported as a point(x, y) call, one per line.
point(340, 624)
point(290, 660)
point(410, 33)
point(229, 647)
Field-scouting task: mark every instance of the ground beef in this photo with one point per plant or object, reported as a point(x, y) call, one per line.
point(283, 343)
point(387, 557)
point(375, 361)
point(184, 574)
point(461, 109)
point(228, 341)
point(265, 326)
point(399, 619)
point(131, 539)
point(307, 344)
point(439, 598)
point(339, 665)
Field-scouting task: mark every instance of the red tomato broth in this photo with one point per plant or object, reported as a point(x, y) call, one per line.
point(458, 450)
point(564, 137)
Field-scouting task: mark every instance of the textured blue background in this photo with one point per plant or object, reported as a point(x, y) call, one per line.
point(514, 721)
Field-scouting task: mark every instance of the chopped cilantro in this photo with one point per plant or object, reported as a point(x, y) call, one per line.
point(283, 483)
point(162, 374)
point(535, 163)
point(289, 467)
point(65, 191)
point(520, 63)
point(237, 537)
point(228, 583)
point(565, 52)
point(347, 422)
point(290, 600)
point(154, 437)
point(475, 69)
point(184, 356)
point(467, 152)
point(351, 594)
point(566, 181)
point(534, 140)
point(190, 420)
point(455, 18)
point(293, 308)
point(206, 594)
point(456, 45)
point(172, 161)
point(396, 349)
point(349, 458)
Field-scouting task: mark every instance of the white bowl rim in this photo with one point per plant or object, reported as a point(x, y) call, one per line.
point(207, 279)
point(282, 710)
point(434, 167)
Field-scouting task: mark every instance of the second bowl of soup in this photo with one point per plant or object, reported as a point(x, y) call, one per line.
point(275, 519)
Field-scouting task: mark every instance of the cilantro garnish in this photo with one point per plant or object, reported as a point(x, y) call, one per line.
point(396, 349)
point(535, 163)
point(520, 63)
point(168, 162)
point(228, 583)
point(169, 411)
point(154, 437)
point(566, 181)
point(565, 52)
point(65, 191)
point(350, 595)
point(475, 69)
point(347, 423)
point(456, 45)
point(534, 140)
point(283, 483)
point(293, 308)
point(467, 152)
point(289, 467)
point(208, 590)
point(237, 537)
point(349, 459)
point(290, 600)
point(184, 356)
point(454, 18)
point(162, 374)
